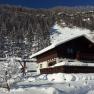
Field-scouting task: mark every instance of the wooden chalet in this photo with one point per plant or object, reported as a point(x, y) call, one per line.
point(75, 47)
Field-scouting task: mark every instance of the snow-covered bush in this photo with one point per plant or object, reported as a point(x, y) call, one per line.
point(43, 77)
point(8, 69)
point(31, 79)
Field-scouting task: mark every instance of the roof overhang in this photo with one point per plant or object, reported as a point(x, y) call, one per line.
point(88, 36)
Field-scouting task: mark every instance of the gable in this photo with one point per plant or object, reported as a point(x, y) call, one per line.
point(87, 36)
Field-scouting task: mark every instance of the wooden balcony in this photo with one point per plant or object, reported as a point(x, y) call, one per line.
point(68, 69)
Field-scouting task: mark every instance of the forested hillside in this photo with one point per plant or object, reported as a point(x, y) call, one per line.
point(24, 31)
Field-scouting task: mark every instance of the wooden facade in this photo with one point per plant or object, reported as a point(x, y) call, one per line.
point(68, 69)
point(79, 48)
point(47, 56)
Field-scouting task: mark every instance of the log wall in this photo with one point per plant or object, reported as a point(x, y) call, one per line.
point(68, 69)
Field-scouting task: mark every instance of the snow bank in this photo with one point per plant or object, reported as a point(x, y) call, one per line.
point(43, 77)
point(56, 77)
point(47, 90)
point(3, 91)
point(17, 90)
point(34, 90)
point(83, 77)
point(63, 77)
point(69, 77)
point(31, 79)
point(52, 90)
point(60, 83)
point(60, 77)
point(91, 92)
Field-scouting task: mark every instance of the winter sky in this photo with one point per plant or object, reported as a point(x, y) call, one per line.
point(47, 3)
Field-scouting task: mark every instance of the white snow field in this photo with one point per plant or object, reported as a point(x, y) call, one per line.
point(59, 83)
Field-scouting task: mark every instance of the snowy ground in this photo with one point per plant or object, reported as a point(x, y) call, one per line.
point(54, 84)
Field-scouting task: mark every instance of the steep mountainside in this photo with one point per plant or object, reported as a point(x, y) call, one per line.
point(24, 31)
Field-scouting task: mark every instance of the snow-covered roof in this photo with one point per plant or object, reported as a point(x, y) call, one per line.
point(66, 35)
point(43, 50)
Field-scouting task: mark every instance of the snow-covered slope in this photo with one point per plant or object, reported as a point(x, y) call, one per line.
point(63, 34)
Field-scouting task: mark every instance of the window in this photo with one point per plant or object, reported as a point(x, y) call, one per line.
point(52, 63)
point(40, 65)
